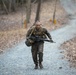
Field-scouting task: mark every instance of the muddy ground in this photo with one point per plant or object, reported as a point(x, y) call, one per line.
point(12, 29)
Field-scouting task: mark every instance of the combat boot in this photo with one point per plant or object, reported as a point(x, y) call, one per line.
point(41, 66)
point(36, 66)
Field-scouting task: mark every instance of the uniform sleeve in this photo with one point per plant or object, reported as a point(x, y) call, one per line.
point(28, 33)
point(48, 34)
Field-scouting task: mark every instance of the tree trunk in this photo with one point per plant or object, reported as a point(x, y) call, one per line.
point(5, 7)
point(13, 5)
point(38, 10)
point(28, 11)
point(10, 5)
point(54, 14)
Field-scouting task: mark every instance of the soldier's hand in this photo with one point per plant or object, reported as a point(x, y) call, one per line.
point(52, 41)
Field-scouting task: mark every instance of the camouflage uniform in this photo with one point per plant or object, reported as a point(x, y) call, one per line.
point(37, 47)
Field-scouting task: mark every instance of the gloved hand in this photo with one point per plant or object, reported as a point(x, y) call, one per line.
point(52, 41)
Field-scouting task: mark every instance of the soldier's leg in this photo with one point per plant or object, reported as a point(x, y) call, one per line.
point(41, 54)
point(34, 55)
point(40, 57)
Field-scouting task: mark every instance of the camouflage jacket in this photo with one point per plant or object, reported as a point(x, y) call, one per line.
point(42, 32)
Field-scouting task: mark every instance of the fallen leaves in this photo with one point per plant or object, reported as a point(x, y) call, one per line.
point(10, 38)
point(70, 51)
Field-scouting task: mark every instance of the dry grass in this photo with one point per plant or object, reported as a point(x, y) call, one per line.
point(10, 38)
point(70, 51)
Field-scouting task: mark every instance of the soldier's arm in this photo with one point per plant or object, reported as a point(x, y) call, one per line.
point(28, 33)
point(48, 34)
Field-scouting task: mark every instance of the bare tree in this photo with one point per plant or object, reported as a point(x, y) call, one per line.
point(28, 11)
point(5, 7)
point(54, 11)
point(38, 10)
point(13, 5)
point(10, 5)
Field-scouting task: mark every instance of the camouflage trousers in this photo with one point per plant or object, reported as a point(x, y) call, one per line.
point(37, 52)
